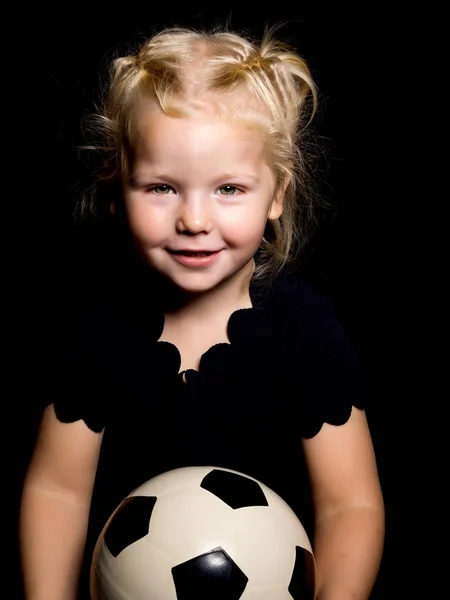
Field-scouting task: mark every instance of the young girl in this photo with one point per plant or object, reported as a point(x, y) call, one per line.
point(193, 342)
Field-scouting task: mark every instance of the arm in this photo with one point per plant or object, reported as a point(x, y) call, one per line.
point(55, 507)
point(349, 509)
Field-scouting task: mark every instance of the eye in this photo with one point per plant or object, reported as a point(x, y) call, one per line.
point(160, 189)
point(228, 190)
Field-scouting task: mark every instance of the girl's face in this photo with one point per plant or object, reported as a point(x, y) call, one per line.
point(197, 197)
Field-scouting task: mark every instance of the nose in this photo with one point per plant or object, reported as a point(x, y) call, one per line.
point(194, 216)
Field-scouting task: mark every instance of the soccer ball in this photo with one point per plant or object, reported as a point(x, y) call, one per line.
point(203, 533)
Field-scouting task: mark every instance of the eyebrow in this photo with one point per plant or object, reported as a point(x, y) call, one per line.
point(231, 176)
point(141, 180)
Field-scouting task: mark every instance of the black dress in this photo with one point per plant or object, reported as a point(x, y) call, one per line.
point(288, 368)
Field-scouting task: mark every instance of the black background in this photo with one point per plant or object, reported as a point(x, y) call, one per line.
point(59, 54)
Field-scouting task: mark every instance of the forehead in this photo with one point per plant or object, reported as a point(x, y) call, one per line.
point(201, 134)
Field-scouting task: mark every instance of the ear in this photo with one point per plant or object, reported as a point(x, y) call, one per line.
point(113, 208)
point(276, 208)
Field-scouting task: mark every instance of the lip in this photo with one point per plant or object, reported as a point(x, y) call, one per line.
point(189, 250)
point(195, 261)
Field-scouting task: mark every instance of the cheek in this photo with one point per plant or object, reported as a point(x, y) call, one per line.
point(247, 229)
point(146, 224)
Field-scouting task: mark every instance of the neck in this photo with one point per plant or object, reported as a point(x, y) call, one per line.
point(231, 294)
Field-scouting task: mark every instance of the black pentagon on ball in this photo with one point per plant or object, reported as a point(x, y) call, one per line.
point(235, 490)
point(129, 524)
point(212, 575)
point(301, 586)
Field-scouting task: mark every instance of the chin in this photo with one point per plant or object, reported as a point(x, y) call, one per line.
point(193, 281)
point(192, 284)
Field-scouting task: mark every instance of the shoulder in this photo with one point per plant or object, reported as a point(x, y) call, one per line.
point(320, 362)
point(307, 316)
point(296, 302)
point(96, 336)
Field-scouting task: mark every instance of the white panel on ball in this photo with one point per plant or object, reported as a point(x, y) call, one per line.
point(201, 533)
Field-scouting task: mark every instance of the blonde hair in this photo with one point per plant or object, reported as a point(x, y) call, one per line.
point(266, 85)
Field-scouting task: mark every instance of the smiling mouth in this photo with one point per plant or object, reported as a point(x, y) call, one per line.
point(190, 253)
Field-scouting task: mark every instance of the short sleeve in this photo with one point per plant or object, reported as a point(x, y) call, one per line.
point(323, 371)
point(100, 351)
point(72, 379)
